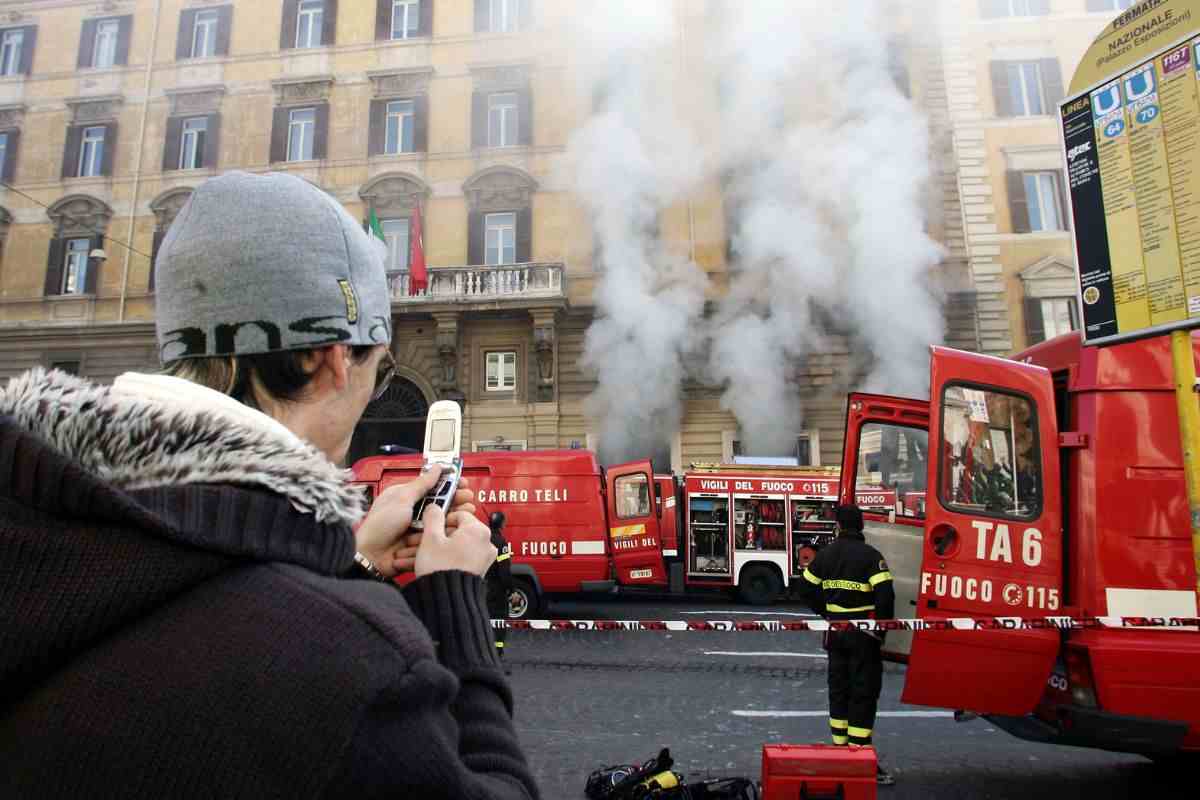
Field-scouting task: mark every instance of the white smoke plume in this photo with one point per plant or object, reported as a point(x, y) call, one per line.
point(632, 158)
point(828, 165)
point(831, 164)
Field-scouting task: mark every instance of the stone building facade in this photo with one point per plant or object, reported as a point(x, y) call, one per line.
point(111, 111)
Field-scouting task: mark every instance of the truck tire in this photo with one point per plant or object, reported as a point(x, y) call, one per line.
point(759, 585)
point(523, 601)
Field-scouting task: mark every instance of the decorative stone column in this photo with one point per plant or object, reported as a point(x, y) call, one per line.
point(446, 339)
point(545, 351)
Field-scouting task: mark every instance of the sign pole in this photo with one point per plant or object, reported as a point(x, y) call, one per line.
point(1189, 431)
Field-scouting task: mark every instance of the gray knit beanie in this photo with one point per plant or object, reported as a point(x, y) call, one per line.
point(262, 263)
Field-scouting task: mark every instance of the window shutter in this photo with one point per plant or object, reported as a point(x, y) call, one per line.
point(421, 123)
point(425, 25)
point(329, 24)
point(475, 235)
point(1062, 200)
point(525, 116)
point(279, 135)
point(172, 145)
point(1018, 204)
point(524, 235)
point(71, 151)
point(187, 30)
point(12, 151)
point(87, 43)
point(224, 29)
point(383, 20)
point(1035, 329)
point(1052, 84)
point(482, 21)
point(124, 32)
point(321, 132)
point(91, 281)
point(526, 17)
point(27, 49)
point(287, 31)
point(1000, 89)
point(377, 128)
point(154, 248)
point(110, 149)
point(479, 121)
point(212, 142)
point(54, 267)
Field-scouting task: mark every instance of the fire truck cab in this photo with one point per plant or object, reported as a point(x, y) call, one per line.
point(1052, 485)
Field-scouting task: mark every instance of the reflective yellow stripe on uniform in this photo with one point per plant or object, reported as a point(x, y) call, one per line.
point(499, 644)
point(853, 586)
point(813, 579)
point(839, 724)
point(841, 739)
point(837, 729)
point(843, 610)
point(859, 733)
point(880, 577)
point(504, 556)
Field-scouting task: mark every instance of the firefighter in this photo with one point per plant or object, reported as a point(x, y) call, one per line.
point(498, 581)
point(849, 579)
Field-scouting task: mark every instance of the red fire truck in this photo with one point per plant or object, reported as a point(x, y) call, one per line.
point(1055, 487)
point(576, 527)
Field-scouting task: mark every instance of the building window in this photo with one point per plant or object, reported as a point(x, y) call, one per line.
point(69, 367)
point(502, 119)
point(500, 238)
point(104, 53)
point(400, 127)
point(406, 18)
point(91, 152)
point(1025, 88)
point(3, 154)
point(191, 145)
point(204, 37)
point(76, 266)
point(301, 128)
point(1042, 197)
point(501, 371)
point(10, 51)
point(309, 20)
point(395, 234)
point(1014, 8)
point(504, 16)
point(1058, 316)
point(806, 453)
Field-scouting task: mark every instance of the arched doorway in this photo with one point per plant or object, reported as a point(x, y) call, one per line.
point(397, 418)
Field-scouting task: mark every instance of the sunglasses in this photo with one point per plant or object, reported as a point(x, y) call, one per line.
point(383, 378)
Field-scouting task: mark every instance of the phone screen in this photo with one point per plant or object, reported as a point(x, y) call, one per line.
point(441, 435)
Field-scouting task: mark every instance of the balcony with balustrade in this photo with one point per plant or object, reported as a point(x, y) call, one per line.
point(483, 288)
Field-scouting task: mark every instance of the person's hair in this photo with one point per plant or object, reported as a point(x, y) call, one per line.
point(281, 374)
point(850, 518)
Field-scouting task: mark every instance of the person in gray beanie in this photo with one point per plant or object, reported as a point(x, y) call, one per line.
point(195, 602)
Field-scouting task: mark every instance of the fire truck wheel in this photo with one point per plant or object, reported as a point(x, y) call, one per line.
point(523, 600)
point(759, 585)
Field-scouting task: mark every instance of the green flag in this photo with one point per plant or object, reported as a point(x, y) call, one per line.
point(376, 228)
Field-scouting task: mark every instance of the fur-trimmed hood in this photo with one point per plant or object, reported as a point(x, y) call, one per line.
point(148, 432)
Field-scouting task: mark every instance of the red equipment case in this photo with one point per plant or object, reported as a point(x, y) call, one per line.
point(818, 772)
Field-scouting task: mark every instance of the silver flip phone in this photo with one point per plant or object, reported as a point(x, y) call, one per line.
point(443, 447)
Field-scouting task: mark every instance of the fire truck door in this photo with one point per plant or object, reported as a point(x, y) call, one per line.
point(993, 536)
point(886, 466)
point(633, 525)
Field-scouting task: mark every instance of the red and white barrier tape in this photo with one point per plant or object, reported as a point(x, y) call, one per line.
point(778, 626)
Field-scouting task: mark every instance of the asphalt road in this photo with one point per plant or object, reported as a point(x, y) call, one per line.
point(587, 699)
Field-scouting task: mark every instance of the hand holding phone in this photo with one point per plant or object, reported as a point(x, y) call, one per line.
point(443, 448)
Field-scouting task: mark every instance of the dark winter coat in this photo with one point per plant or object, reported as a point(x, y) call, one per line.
point(178, 619)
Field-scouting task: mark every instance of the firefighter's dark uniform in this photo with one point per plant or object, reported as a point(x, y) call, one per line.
point(498, 580)
point(849, 579)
